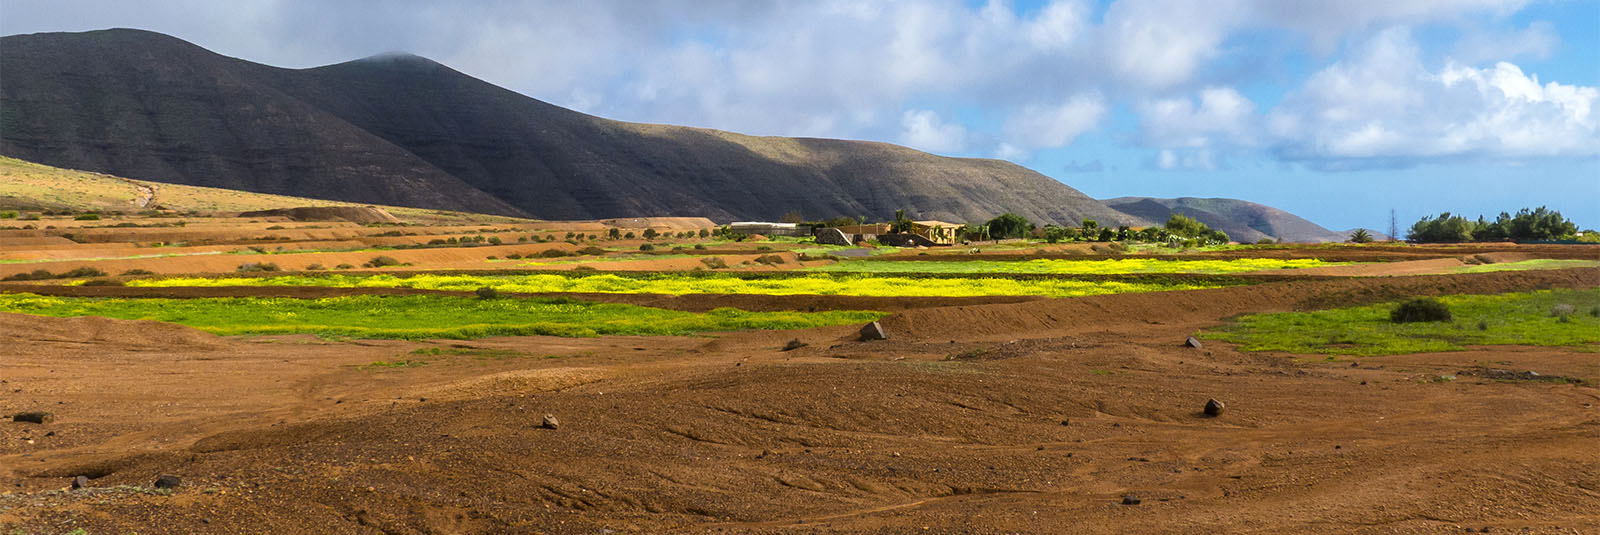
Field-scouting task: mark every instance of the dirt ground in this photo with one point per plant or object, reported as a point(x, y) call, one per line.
point(1002, 416)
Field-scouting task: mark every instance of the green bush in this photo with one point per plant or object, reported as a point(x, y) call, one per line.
point(591, 251)
point(103, 282)
point(8, 214)
point(315, 267)
point(1422, 309)
point(28, 217)
point(87, 217)
point(382, 261)
point(699, 247)
point(553, 253)
point(487, 292)
point(138, 272)
point(647, 247)
point(344, 266)
point(714, 263)
point(770, 260)
point(253, 267)
point(1009, 225)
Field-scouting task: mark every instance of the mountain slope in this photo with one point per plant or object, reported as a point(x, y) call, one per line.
point(1244, 221)
point(400, 129)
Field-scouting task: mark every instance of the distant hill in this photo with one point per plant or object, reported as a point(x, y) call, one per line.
point(404, 130)
point(1244, 221)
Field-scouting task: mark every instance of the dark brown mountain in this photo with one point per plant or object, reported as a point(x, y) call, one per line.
point(1244, 221)
point(404, 130)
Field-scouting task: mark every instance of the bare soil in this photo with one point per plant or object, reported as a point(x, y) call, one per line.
point(1036, 416)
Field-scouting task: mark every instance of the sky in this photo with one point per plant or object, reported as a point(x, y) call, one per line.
point(1336, 110)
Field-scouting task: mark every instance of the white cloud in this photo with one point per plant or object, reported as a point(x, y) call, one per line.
point(1477, 46)
point(1179, 122)
point(923, 130)
point(1383, 107)
point(1051, 126)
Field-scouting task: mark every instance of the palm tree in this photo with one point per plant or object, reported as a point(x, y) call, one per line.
point(901, 222)
point(1361, 236)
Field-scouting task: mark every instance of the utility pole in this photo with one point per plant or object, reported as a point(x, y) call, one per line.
point(1393, 228)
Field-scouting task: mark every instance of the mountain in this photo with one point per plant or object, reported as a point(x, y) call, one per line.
point(403, 130)
point(1244, 221)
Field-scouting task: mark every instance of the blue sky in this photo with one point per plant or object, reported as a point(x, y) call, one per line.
point(1336, 110)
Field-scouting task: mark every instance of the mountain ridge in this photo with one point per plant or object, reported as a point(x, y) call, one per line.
point(400, 129)
point(1244, 221)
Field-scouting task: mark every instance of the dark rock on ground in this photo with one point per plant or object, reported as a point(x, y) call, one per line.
point(1130, 500)
point(168, 481)
point(1214, 407)
point(80, 482)
point(794, 344)
point(873, 331)
point(549, 422)
point(1192, 342)
point(33, 417)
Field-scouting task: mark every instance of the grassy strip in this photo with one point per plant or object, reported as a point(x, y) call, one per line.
point(719, 283)
point(1534, 318)
point(1526, 265)
point(423, 317)
point(1076, 267)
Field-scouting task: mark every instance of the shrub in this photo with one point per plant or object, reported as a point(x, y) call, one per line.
point(1266, 241)
point(84, 271)
point(382, 261)
point(628, 236)
point(28, 217)
point(492, 258)
point(103, 282)
point(699, 247)
point(714, 262)
point(650, 234)
point(1422, 309)
point(315, 267)
point(514, 256)
point(763, 248)
point(8, 214)
point(704, 233)
point(138, 272)
point(1563, 309)
point(613, 233)
point(87, 217)
point(1009, 225)
point(487, 292)
point(584, 268)
point(770, 260)
point(252, 267)
point(591, 251)
point(495, 240)
point(344, 266)
point(553, 253)
point(647, 247)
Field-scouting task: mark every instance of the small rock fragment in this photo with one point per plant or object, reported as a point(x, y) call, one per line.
point(168, 481)
point(549, 422)
point(80, 482)
point(1192, 342)
point(1214, 407)
point(34, 417)
point(873, 331)
point(1130, 499)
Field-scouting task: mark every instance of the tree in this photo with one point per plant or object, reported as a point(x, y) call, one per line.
point(793, 216)
point(1089, 226)
point(1009, 225)
point(1445, 228)
point(1186, 227)
point(650, 233)
point(1361, 236)
point(1106, 234)
point(614, 233)
point(901, 223)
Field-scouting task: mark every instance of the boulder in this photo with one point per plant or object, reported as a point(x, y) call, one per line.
point(168, 481)
point(1130, 500)
point(33, 417)
point(80, 482)
point(1193, 342)
point(549, 422)
point(1214, 408)
point(873, 331)
point(832, 236)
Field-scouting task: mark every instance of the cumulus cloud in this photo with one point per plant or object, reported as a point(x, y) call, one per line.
point(1383, 107)
point(923, 130)
point(1056, 125)
point(1181, 122)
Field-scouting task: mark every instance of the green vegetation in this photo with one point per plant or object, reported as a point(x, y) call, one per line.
point(1524, 265)
point(1526, 225)
point(1421, 310)
point(719, 283)
point(1361, 236)
point(1009, 225)
point(1508, 319)
point(1073, 267)
point(423, 317)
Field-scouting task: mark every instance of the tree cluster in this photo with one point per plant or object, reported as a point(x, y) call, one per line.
point(1527, 225)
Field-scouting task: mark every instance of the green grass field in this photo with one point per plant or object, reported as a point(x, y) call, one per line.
point(1508, 319)
point(1526, 265)
point(696, 283)
point(423, 317)
point(1073, 267)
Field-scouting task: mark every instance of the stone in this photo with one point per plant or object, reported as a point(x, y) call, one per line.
point(1192, 342)
point(1214, 408)
point(168, 481)
point(549, 422)
point(1130, 499)
point(833, 236)
point(873, 331)
point(793, 345)
point(33, 417)
point(80, 482)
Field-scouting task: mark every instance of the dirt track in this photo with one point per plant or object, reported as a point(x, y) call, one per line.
point(1038, 418)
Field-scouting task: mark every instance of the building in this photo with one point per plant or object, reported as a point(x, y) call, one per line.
point(746, 228)
point(940, 232)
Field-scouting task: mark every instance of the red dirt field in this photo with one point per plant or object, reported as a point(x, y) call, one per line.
point(1036, 416)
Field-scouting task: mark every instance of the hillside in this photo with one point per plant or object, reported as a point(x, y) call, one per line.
point(30, 186)
point(1244, 221)
point(404, 130)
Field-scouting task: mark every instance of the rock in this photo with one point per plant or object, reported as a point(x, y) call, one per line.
point(80, 482)
point(793, 345)
point(168, 481)
point(1192, 342)
point(1214, 408)
point(549, 422)
point(1130, 499)
point(33, 417)
point(873, 331)
point(832, 236)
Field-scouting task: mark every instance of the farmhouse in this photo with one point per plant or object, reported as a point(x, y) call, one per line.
point(746, 228)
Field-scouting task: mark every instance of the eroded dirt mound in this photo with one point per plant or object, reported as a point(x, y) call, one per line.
point(355, 214)
point(23, 330)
